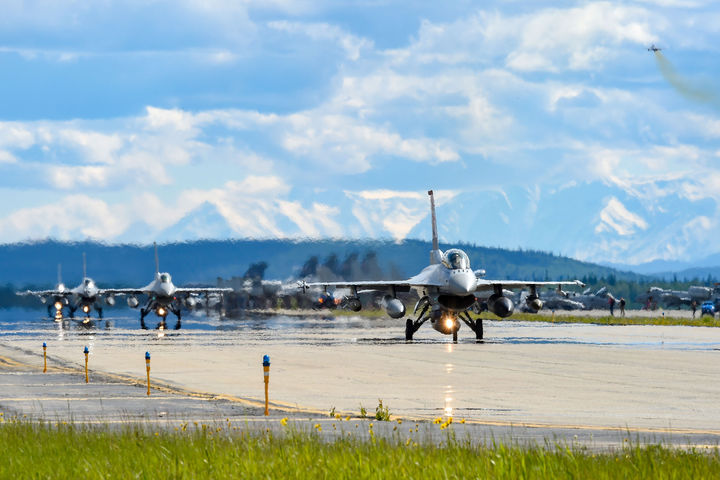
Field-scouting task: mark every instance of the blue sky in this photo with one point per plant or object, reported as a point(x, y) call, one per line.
point(542, 125)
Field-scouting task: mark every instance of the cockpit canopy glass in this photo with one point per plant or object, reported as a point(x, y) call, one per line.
point(164, 278)
point(456, 259)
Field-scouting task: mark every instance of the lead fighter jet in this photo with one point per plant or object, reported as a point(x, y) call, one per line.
point(164, 297)
point(447, 289)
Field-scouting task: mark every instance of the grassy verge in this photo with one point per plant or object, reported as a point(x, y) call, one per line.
point(68, 451)
point(705, 321)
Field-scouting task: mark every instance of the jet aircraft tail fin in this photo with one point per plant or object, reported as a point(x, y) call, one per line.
point(59, 273)
point(84, 266)
point(435, 255)
point(157, 259)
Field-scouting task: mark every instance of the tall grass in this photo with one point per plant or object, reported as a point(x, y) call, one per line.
point(72, 451)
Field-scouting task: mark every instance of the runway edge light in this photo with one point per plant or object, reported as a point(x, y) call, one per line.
point(266, 376)
point(44, 357)
point(86, 351)
point(147, 367)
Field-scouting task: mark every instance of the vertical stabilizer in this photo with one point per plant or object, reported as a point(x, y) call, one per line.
point(59, 273)
point(84, 267)
point(157, 259)
point(434, 221)
point(435, 254)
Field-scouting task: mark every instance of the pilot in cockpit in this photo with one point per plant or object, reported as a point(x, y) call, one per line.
point(456, 259)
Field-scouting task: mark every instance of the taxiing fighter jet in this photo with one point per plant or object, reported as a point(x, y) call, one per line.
point(56, 298)
point(164, 297)
point(85, 296)
point(447, 289)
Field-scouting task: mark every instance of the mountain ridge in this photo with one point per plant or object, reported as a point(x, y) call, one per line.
point(203, 261)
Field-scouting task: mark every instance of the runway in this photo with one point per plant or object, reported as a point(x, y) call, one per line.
point(590, 383)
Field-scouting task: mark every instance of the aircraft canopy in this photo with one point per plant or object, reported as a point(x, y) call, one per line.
point(456, 259)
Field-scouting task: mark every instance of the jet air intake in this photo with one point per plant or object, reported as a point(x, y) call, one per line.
point(500, 305)
point(394, 307)
point(456, 303)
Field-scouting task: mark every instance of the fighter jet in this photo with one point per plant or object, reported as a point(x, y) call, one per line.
point(653, 48)
point(85, 296)
point(56, 298)
point(164, 297)
point(677, 298)
point(447, 290)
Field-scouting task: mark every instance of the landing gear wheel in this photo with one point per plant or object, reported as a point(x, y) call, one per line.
point(409, 329)
point(455, 336)
point(479, 329)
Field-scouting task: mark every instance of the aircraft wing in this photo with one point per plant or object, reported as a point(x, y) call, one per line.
point(122, 291)
point(145, 291)
point(43, 293)
point(207, 290)
point(483, 284)
point(398, 286)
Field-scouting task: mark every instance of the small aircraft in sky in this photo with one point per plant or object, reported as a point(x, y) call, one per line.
point(653, 48)
point(447, 289)
point(85, 296)
point(164, 297)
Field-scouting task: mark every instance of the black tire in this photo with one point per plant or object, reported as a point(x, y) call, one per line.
point(479, 330)
point(409, 329)
point(455, 336)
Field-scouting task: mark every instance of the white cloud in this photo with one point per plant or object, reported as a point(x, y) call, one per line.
point(68, 218)
point(351, 44)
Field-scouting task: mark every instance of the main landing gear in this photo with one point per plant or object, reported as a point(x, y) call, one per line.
point(163, 313)
point(475, 325)
point(411, 326)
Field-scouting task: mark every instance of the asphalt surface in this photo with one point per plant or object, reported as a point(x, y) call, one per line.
point(595, 386)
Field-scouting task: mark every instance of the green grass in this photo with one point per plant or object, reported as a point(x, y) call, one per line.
point(72, 451)
point(705, 321)
point(659, 319)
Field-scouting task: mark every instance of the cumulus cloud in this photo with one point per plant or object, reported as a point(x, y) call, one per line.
point(72, 217)
point(351, 44)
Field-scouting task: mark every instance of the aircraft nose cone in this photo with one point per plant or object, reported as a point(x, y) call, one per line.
point(462, 283)
point(166, 290)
